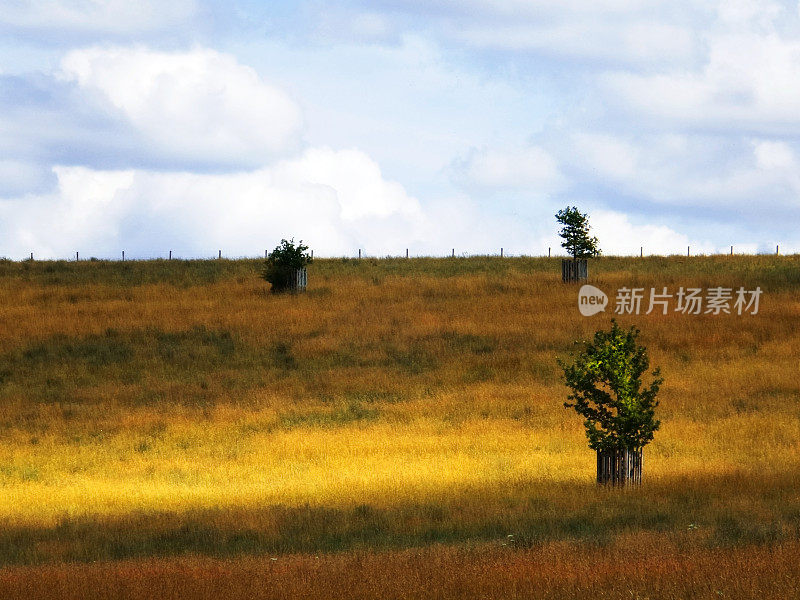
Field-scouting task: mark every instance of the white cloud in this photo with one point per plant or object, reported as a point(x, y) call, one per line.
point(774, 155)
point(335, 200)
point(313, 198)
point(19, 177)
point(198, 106)
point(356, 180)
point(747, 14)
point(86, 205)
point(184, 111)
point(682, 170)
point(750, 82)
point(111, 16)
point(531, 168)
point(618, 236)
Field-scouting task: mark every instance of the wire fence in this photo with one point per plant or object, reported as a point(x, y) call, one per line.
point(360, 253)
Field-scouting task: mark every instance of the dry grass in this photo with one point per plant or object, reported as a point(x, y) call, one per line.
point(636, 568)
point(158, 409)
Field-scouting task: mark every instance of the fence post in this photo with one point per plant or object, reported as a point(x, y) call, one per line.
point(777, 250)
point(548, 252)
point(31, 255)
point(501, 253)
point(170, 254)
point(687, 251)
point(641, 251)
point(406, 252)
point(219, 255)
point(359, 253)
point(123, 256)
point(731, 250)
point(76, 257)
point(454, 253)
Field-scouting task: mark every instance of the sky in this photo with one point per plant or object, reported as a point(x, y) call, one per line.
point(205, 125)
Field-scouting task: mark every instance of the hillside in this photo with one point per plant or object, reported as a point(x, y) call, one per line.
point(161, 408)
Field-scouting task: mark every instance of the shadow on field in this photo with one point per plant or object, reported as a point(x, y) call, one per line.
point(719, 511)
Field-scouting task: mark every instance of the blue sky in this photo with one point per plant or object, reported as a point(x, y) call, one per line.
point(197, 125)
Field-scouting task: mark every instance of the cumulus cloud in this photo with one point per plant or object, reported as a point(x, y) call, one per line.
point(187, 114)
point(619, 236)
point(337, 200)
point(131, 107)
point(199, 106)
point(356, 180)
point(55, 224)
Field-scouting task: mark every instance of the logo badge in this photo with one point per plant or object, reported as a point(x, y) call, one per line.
point(591, 300)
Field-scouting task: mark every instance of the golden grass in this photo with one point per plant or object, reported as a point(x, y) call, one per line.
point(396, 404)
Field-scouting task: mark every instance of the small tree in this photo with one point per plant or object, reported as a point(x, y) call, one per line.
point(281, 266)
point(607, 390)
point(575, 232)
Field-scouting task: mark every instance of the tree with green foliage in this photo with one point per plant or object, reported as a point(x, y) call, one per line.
point(575, 231)
point(607, 390)
point(282, 264)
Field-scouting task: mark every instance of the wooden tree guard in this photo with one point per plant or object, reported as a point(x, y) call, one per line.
point(619, 467)
point(298, 281)
point(574, 270)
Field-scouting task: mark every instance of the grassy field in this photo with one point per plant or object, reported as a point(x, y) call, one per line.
point(171, 426)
